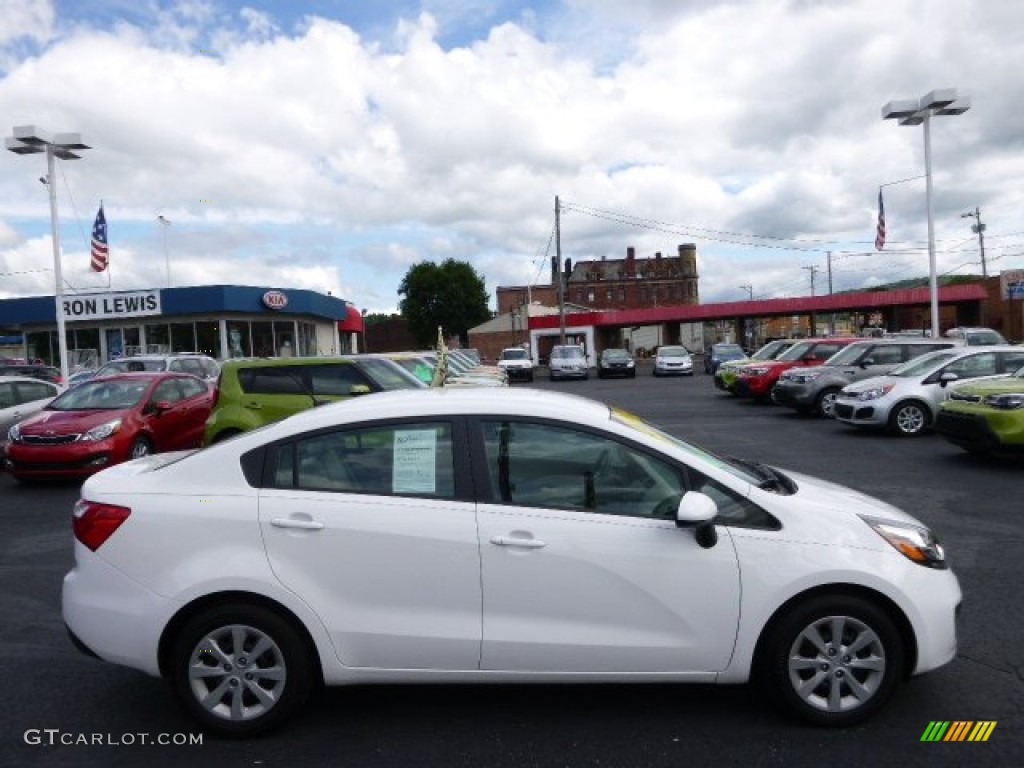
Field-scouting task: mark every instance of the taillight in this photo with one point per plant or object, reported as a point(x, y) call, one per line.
point(94, 523)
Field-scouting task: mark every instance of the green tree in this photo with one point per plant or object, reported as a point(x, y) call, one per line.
point(450, 294)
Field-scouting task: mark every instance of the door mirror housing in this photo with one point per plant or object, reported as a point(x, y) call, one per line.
point(947, 378)
point(698, 511)
point(359, 389)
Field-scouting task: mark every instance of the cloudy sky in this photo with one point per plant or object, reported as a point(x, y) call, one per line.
point(332, 144)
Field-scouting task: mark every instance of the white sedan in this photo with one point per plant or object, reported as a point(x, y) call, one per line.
point(21, 397)
point(452, 536)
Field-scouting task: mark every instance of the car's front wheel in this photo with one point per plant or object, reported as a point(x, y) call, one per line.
point(909, 419)
point(833, 660)
point(825, 403)
point(140, 447)
point(240, 670)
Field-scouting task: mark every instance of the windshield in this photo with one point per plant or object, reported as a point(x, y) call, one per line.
point(102, 395)
point(672, 351)
point(567, 352)
point(631, 420)
point(847, 355)
point(771, 350)
point(387, 374)
point(615, 354)
point(514, 354)
point(727, 349)
point(924, 364)
point(984, 338)
point(797, 351)
point(129, 366)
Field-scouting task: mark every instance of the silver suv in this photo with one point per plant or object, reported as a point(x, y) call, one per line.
point(568, 361)
point(814, 389)
point(203, 366)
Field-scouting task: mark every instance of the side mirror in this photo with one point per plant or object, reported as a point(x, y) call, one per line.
point(698, 511)
point(359, 389)
point(947, 378)
point(810, 357)
point(158, 407)
point(867, 361)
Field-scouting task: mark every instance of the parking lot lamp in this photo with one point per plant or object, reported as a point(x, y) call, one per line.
point(29, 140)
point(911, 112)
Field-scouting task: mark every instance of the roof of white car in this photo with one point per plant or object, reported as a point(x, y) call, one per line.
point(444, 401)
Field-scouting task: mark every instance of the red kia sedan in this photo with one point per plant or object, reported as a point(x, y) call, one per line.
point(110, 420)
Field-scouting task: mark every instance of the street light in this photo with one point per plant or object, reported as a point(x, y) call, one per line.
point(29, 140)
point(167, 258)
point(910, 112)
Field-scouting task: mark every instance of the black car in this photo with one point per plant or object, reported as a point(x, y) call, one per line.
point(616, 362)
point(42, 372)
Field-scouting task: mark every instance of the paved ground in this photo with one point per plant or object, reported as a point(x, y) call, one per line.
point(974, 505)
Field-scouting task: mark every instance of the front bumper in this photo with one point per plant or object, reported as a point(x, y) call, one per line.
point(863, 413)
point(69, 459)
point(788, 393)
point(1002, 431)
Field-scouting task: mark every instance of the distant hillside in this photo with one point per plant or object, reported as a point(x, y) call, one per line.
point(919, 282)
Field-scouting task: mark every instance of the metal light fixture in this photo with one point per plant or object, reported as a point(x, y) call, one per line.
point(30, 140)
point(909, 112)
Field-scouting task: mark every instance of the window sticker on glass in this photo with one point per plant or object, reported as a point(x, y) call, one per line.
point(415, 461)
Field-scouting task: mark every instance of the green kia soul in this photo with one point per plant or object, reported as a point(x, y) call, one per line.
point(985, 416)
point(252, 393)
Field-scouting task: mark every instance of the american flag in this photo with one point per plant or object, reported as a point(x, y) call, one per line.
point(100, 251)
point(880, 233)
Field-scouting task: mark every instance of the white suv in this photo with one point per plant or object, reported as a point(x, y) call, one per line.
point(568, 361)
point(516, 363)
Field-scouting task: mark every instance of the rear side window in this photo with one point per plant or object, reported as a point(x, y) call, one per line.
point(279, 380)
point(335, 379)
point(406, 459)
point(29, 391)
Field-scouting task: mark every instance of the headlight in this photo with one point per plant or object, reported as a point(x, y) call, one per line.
point(1006, 402)
point(102, 432)
point(871, 394)
point(913, 542)
point(630, 364)
point(754, 371)
point(804, 378)
point(14, 433)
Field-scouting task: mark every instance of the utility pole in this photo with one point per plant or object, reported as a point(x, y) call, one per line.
point(832, 319)
point(813, 269)
point(749, 333)
point(979, 229)
point(561, 271)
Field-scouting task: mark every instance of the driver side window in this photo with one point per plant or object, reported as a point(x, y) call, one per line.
point(546, 465)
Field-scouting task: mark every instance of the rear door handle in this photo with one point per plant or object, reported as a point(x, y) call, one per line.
point(291, 522)
point(516, 541)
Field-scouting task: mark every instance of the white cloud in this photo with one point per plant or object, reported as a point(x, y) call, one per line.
point(304, 153)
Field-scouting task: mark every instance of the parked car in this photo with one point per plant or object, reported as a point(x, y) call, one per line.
point(254, 392)
point(757, 380)
point(720, 353)
point(616, 362)
point(517, 364)
point(976, 337)
point(106, 421)
point(568, 361)
point(20, 397)
point(32, 371)
point(725, 376)
point(985, 416)
point(202, 366)
point(438, 536)
point(673, 360)
point(907, 398)
point(814, 389)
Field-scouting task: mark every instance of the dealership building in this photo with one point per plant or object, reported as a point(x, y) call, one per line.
point(222, 321)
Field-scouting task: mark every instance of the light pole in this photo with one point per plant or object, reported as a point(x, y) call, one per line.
point(979, 229)
point(911, 112)
point(167, 258)
point(29, 140)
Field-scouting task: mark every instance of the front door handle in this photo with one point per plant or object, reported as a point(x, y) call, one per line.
point(516, 541)
point(292, 522)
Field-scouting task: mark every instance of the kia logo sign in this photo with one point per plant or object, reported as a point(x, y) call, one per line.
point(275, 300)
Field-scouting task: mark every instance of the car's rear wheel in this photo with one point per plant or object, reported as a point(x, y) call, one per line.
point(240, 670)
point(832, 660)
point(140, 447)
point(825, 403)
point(909, 419)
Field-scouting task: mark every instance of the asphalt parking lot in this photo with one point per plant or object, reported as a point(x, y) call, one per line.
point(61, 708)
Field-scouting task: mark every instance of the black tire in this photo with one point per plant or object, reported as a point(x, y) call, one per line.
point(212, 634)
point(825, 402)
point(224, 434)
point(529, 377)
point(789, 662)
point(141, 446)
point(910, 418)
